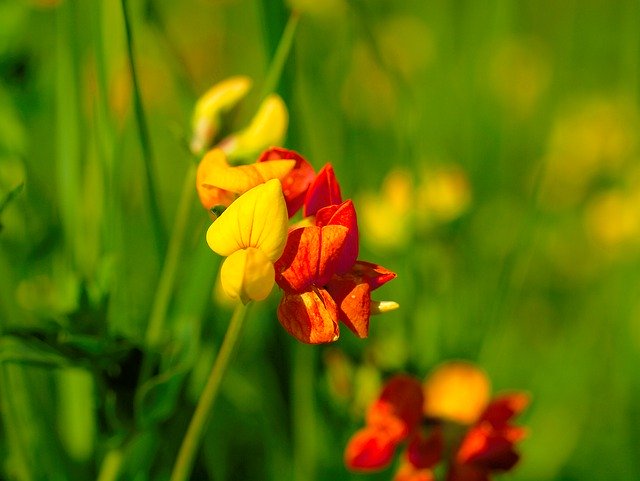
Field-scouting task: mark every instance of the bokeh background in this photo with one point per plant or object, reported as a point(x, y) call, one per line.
point(492, 152)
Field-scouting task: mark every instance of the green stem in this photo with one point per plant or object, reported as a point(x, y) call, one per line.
point(110, 469)
point(303, 412)
point(197, 426)
point(171, 262)
point(280, 56)
point(145, 141)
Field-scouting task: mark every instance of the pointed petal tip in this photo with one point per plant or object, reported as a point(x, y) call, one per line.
point(380, 307)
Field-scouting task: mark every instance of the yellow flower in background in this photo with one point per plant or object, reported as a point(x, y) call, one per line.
point(218, 183)
point(443, 195)
point(612, 219)
point(251, 233)
point(457, 391)
point(386, 217)
point(267, 128)
point(218, 99)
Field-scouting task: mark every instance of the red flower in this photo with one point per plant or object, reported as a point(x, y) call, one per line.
point(324, 191)
point(296, 183)
point(489, 445)
point(391, 419)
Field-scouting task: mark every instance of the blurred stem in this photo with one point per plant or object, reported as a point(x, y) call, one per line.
point(170, 266)
point(145, 140)
point(197, 426)
point(280, 56)
point(111, 465)
point(304, 421)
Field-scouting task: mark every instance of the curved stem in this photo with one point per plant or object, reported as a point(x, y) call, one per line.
point(197, 426)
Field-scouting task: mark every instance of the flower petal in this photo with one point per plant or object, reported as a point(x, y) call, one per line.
point(502, 409)
point(311, 317)
point(209, 194)
point(401, 401)
point(257, 219)
point(324, 191)
point(369, 449)
point(407, 472)
point(353, 298)
point(488, 448)
point(310, 257)
point(426, 451)
point(342, 214)
point(297, 182)
point(247, 275)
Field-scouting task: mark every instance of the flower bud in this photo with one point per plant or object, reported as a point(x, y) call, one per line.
point(268, 127)
point(218, 99)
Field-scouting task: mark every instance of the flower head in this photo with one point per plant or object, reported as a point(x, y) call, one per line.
point(404, 414)
point(251, 232)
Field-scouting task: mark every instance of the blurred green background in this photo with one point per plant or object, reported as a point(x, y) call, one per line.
point(492, 151)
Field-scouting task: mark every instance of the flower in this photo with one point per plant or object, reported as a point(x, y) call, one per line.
point(219, 183)
point(268, 127)
point(429, 419)
point(252, 233)
point(322, 280)
point(210, 106)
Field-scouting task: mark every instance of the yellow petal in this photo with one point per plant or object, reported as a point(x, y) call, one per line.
point(267, 128)
point(458, 391)
point(258, 218)
point(247, 275)
point(244, 177)
point(218, 99)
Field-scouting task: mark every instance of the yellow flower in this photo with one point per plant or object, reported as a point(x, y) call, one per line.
point(217, 100)
point(218, 183)
point(252, 233)
point(267, 128)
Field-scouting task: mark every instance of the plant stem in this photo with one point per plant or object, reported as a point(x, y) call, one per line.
point(197, 426)
point(145, 141)
point(280, 56)
point(302, 400)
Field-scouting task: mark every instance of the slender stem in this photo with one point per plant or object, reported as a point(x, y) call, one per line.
point(304, 421)
point(110, 469)
point(280, 56)
point(197, 426)
point(145, 141)
point(171, 262)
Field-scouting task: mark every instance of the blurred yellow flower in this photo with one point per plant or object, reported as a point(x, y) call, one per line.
point(613, 219)
point(457, 391)
point(386, 217)
point(252, 233)
point(211, 105)
point(267, 128)
point(444, 195)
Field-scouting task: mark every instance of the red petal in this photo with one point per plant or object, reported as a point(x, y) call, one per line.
point(297, 182)
point(343, 214)
point(369, 449)
point(426, 451)
point(373, 274)
point(353, 298)
point(502, 409)
point(310, 257)
point(324, 191)
point(401, 400)
point(310, 317)
point(483, 446)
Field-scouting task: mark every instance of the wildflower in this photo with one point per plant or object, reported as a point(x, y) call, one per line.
point(268, 127)
point(322, 280)
point(217, 100)
point(429, 419)
point(252, 233)
point(219, 183)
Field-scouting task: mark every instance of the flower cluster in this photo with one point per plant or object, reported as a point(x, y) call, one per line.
point(315, 262)
point(449, 419)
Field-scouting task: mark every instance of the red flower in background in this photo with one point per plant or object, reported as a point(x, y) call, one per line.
point(402, 414)
point(322, 280)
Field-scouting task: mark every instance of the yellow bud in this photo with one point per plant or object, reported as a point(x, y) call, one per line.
point(247, 274)
point(267, 128)
point(380, 307)
point(218, 99)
